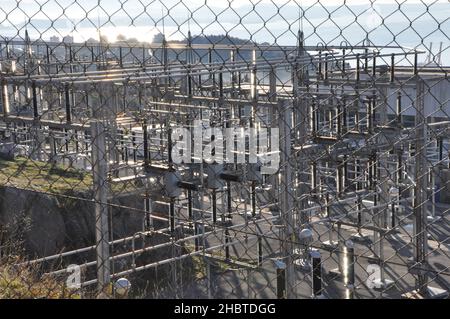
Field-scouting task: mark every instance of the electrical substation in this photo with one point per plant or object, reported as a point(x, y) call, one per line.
point(230, 170)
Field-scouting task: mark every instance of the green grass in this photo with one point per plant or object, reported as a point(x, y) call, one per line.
point(43, 177)
point(26, 283)
point(51, 178)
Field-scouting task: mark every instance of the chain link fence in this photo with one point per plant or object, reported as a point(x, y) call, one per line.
point(224, 149)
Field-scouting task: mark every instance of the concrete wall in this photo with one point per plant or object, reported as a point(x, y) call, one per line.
point(49, 224)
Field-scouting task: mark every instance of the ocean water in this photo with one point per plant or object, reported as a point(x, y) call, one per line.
point(411, 24)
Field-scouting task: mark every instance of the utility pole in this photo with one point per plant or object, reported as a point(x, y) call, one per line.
point(100, 171)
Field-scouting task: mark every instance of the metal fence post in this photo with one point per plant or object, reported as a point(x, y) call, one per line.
point(99, 171)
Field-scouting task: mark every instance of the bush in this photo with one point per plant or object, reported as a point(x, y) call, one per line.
point(25, 282)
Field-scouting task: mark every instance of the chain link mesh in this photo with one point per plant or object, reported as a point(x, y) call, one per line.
point(333, 183)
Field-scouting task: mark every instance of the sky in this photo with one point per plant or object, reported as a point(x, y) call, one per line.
point(273, 21)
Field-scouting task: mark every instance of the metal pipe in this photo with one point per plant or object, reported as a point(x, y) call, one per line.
point(145, 249)
point(172, 215)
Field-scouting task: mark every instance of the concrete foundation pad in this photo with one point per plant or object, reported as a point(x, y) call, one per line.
point(331, 244)
point(360, 238)
point(383, 284)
